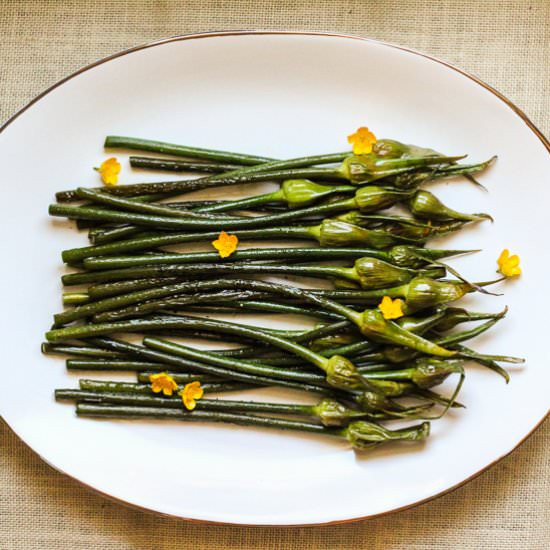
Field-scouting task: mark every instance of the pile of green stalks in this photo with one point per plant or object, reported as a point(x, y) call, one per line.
point(384, 330)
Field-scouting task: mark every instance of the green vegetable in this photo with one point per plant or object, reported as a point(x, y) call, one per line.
point(362, 435)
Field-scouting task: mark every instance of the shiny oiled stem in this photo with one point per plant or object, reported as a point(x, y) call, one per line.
point(198, 221)
point(166, 148)
point(122, 411)
point(232, 363)
point(170, 165)
point(175, 402)
point(153, 242)
point(186, 365)
point(303, 254)
point(184, 323)
point(187, 287)
point(242, 284)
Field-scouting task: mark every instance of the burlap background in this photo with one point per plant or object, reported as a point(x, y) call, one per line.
point(506, 43)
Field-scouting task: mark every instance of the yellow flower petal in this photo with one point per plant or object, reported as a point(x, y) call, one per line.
point(162, 382)
point(391, 309)
point(508, 265)
point(362, 141)
point(190, 394)
point(503, 256)
point(226, 244)
point(109, 171)
point(513, 261)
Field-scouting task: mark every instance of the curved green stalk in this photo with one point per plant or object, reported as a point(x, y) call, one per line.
point(179, 364)
point(340, 372)
point(239, 365)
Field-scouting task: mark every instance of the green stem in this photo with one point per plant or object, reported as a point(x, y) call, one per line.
point(148, 243)
point(273, 307)
point(83, 351)
point(181, 150)
point(198, 221)
point(301, 253)
point(106, 290)
point(114, 234)
point(398, 355)
point(174, 305)
point(361, 434)
point(201, 286)
point(91, 385)
point(178, 363)
point(138, 206)
point(234, 364)
point(184, 323)
point(348, 350)
point(175, 402)
point(102, 365)
point(191, 270)
point(279, 196)
point(155, 293)
point(100, 232)
point(75, 298)
point(182, 165)
point(112, 411)
point(485, 360)
point(209, 384)
point(462, 336)
point(307, 336)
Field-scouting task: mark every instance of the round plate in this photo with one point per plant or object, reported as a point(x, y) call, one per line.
point(281, 95)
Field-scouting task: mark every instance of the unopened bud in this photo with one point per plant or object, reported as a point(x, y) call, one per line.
point(333, 232)
point(425, 292)
point(427, 206)
point(334, 413)
point(430, 372)
point(372, 197)
point(343, 374)
point(364, 435)
point(300, 192)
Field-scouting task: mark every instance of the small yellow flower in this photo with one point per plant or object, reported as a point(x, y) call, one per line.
point(109, 170)
point(508, 265)
point(226, 244)
point(362, 141)
point(190, 394)
point(163, 382)
point(391, 309)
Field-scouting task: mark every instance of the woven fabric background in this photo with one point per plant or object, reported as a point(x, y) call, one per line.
point(505, 42)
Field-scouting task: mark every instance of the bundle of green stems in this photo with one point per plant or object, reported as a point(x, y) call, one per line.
point(357, 367)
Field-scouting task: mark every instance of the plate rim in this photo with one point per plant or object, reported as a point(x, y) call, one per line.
point(215, 34)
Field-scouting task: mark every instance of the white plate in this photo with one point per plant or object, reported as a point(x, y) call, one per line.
point(282, 95)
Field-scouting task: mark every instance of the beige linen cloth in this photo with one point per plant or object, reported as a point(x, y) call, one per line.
point(506, 43)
